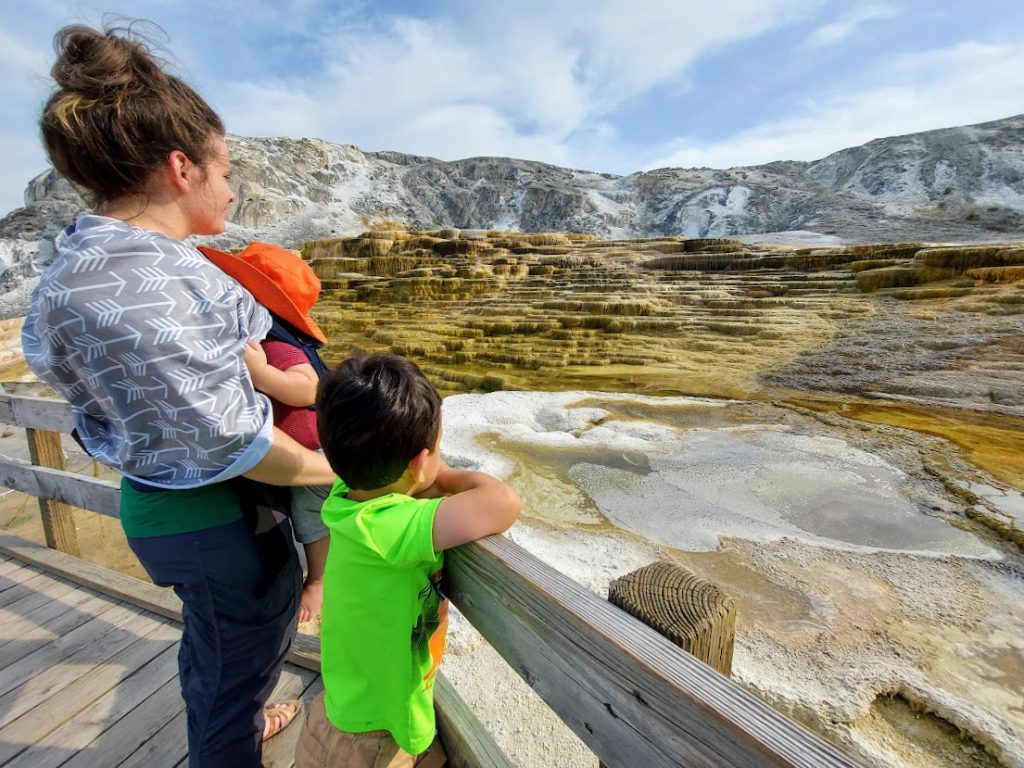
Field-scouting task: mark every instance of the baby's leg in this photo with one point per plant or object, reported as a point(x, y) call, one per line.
point(313, 588)
point(312, 533)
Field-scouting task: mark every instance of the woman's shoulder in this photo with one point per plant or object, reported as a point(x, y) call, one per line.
point(92, 234)
point(96, 238)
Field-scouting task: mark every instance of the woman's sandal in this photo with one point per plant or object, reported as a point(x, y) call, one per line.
point(279, 715)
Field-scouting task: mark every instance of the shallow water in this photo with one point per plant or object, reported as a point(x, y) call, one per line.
point(675, 483)
point(857, 570)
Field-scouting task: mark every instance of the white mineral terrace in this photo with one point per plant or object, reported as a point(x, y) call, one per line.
point(859, 599)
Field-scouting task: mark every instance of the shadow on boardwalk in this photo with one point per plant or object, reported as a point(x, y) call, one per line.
point(87, 680)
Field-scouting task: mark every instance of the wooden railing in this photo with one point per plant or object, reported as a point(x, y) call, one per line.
point(631, 696)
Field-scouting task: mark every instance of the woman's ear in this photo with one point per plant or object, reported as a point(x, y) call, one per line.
point(179, 170)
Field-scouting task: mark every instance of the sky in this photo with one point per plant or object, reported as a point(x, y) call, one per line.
point(613, 86)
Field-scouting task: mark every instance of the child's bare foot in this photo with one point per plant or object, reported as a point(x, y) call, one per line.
point(312, 599)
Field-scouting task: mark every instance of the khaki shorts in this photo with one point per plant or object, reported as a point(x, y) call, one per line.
point(321, 745)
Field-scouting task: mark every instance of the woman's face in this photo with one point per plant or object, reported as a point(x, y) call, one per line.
point(207, 201)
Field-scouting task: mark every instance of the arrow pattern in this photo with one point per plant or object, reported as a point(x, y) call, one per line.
point(144, 337)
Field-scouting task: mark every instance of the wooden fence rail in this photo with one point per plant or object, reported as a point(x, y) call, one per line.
point(632, 696)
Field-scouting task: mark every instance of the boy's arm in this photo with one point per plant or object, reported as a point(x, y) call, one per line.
point(295, 386)
point(477, 505)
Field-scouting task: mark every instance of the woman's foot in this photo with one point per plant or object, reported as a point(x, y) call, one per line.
point(311, 600)
point(278, 716)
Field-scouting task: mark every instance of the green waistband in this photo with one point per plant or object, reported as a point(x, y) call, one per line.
point(160, 513)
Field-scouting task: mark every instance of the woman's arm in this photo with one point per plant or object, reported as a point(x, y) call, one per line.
point(289, 463)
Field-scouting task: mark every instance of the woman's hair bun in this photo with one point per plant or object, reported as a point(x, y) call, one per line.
point(92, 63)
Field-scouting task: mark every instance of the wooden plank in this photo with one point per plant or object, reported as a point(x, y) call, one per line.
point(144, 594)
point(33, 724)
point(53, 631)
point(61, 486)
point(121, 623)
point(43, 682)
point(467, 742)
point(168, 746)
point(13, 579)
point(122, 738)
point(39, 608)
point(90, 723)
point(45, 450)
point(29, 611)
point(19, 620)
point(629, 694)
point(7, 565)
point(36, 413)
point(31, 581)
point(305, 651)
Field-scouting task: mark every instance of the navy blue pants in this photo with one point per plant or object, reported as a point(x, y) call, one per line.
point(239, 623)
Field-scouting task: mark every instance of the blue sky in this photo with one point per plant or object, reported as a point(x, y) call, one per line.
point(614, 86)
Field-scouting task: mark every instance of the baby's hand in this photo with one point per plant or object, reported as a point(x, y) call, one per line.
point(255, 357)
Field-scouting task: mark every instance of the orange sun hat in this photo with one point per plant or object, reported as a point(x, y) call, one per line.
point(278, 279)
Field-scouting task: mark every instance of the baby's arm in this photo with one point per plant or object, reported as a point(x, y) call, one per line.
point(477, 505)
point(295, 386)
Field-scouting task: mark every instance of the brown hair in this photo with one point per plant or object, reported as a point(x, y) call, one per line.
point(116, 114)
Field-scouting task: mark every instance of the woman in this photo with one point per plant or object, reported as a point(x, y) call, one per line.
point(145, 338)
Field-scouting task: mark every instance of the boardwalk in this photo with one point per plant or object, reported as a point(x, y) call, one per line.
point(90, 681)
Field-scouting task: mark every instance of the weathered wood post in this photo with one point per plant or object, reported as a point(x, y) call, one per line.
point(692, 613)
point(45, 450)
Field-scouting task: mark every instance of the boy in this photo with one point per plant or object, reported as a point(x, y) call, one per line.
point(287, 368)
point(394, 510)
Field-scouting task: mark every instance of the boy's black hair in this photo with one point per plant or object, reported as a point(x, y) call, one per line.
point(374, 415)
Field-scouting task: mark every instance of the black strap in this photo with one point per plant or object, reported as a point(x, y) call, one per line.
point(284, 331)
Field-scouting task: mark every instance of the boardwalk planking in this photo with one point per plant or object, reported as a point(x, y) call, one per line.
point(168, 746)
point(82, 692)
point(13, 578)
point(28, 586)
point(48, 681)
point(53, 632)
point(118, 742)
point(37, 609)
point(124, 707)
point(90, 723)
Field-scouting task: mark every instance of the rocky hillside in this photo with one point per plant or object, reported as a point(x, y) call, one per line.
point(959, 184)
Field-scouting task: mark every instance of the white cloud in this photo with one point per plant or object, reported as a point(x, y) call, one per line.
point(534, 77)
point(963, 84)
point(849, 24)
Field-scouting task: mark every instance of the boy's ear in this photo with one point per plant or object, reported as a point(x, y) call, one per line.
point(416, 464)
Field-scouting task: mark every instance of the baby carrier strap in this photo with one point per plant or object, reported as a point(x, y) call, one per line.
point(284, 331)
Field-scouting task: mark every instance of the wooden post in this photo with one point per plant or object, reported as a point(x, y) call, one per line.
point(691, 612)
point(45, 450)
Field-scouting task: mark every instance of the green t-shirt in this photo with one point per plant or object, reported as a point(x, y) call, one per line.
point(384, 618)
point(181, 510)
